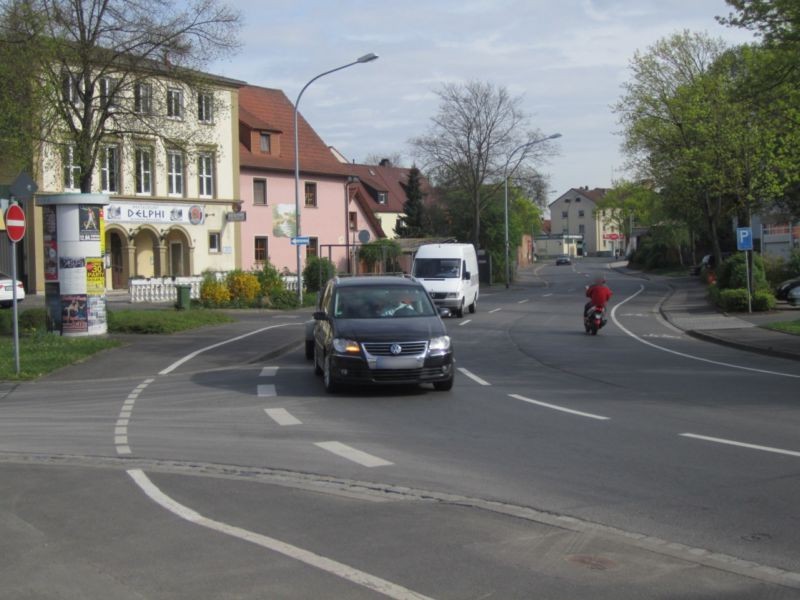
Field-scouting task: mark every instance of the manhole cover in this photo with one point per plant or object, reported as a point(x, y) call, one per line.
point(595, 563)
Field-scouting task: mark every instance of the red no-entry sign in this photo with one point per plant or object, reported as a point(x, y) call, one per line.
point(15, 222)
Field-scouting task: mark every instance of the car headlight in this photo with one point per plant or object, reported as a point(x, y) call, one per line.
point(440, 344)
point(345, 346)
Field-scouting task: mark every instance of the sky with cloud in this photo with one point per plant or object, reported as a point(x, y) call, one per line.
point(566, 59)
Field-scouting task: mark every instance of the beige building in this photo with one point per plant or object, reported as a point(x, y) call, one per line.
point(170, 202)
point(580, 228)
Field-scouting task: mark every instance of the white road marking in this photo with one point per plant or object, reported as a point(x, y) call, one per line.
point(269, 372)
point(123, 430)
point(494, 310)
point(683, 354)
point(282, 416)
point(741, 444)
point(560, 408)
point(546, 295)
point(523, 301)
point(121, 440)
point(123, 449)
point(266, 390)
point(191, 355)
point(464, 322)
point(664, 336)
point(474, 377)
point(357, 456)
point(382, 586)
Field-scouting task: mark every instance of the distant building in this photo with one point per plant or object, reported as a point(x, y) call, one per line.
point(579, 228)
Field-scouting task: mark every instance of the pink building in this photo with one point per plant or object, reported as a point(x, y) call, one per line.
point(331, 209)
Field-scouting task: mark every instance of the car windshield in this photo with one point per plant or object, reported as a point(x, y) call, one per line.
point(448, 268)
point(370, 302)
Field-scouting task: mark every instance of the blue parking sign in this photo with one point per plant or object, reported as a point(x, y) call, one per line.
point(744, 238)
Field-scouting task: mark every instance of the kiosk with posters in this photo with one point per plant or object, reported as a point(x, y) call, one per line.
point(74, 255)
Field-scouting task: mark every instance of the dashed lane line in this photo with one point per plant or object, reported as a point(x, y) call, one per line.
point(266, 390)
point(524, 301)
point(464, 322)
point(123, 419)
point(494, 310)
point(560, 408)
point(382, 586)
point(474, 377)
point(282, 417)
point(269, 372)
point(740, 444)
point(350, 453)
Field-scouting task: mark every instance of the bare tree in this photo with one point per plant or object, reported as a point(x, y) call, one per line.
point(107, 59)
point(472, 139)
point(395, 159)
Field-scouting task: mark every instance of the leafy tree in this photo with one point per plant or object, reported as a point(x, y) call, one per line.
point(97, 53)
point(412, 223)
point(317, 272)
point(471, 138)
point(383, 253)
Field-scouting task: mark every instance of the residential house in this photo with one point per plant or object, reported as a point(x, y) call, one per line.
point(333, 206)
point(168, 201)
point(581, 227)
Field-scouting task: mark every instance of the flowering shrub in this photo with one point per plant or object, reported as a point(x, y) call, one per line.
point(244, 287)
point(214, 293)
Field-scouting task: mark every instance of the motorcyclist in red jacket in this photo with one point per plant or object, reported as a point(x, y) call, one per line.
point(598, 293)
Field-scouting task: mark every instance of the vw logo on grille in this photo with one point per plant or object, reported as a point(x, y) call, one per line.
point(396, 349)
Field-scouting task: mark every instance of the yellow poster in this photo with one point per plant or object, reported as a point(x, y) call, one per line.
point(95, 277)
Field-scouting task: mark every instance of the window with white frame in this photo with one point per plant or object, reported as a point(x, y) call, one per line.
point(144, 171)
point(72, 171)
point(260, 192)
point(205, 103)
point(266, 142)
point(109, 169)
point(205, 175)
point(69, 88)
point(382, 197)
point(108, 88)
point(174, 173)
point(143, 98)
point(214, 242)
point(175, 103)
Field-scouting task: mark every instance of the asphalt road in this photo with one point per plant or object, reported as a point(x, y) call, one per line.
point(640, 463)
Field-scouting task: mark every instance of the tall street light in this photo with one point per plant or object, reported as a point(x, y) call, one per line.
point(363, 59)
point(505, 185)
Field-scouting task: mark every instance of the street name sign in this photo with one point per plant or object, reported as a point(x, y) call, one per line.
point(302, 240)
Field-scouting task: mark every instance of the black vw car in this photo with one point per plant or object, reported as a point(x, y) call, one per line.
point(379, 330)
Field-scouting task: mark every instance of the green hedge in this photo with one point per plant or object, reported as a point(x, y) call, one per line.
point(735, 299)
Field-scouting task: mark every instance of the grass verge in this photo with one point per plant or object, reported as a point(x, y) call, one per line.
point(792, 327)
point(41, 353)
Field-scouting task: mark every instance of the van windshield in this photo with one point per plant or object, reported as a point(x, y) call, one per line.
point(447, 268)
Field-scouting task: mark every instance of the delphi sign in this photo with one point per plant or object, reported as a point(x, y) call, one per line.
point(130, 212)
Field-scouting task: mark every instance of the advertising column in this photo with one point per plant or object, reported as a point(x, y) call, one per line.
point(75, 291)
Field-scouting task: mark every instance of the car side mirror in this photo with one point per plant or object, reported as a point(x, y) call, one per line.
point(320, 315)
point(467, 275)
point(444, 312)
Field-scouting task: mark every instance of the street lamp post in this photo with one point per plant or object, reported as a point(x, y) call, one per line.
point(505, 185)
point(363, 59)
point(350, 179)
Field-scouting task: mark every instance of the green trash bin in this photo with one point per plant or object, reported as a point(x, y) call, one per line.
point(184, 297)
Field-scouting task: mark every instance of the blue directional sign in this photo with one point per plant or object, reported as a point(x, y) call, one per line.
point(300, 241)
point(744, 238)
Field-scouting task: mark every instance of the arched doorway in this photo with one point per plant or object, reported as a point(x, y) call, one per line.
point(178, 252)
point(119, 272)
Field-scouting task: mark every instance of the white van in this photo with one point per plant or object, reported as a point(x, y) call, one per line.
point(450, 274)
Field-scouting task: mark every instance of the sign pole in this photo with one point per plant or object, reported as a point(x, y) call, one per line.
point(14, 303)
point(747, 273)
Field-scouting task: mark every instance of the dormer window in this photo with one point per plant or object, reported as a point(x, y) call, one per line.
point(382, 197)
point(266, 143)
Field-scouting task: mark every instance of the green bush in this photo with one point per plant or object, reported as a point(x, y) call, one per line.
point(29, 321)
point(763, 300)
point(281, 298)
point(733, 299)
point(732, 274)
point(317, 272)
point(270, 280)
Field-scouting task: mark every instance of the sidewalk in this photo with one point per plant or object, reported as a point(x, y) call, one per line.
point(688, 308)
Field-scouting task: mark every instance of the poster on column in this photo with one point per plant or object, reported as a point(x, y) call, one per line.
point(72, 274)
point(89, 223)
point(96, 318)
point(95, 277)
point(50, 240)
point(73, 314)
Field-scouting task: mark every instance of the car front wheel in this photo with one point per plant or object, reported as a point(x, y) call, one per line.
point(327, 376)
point(443, 386)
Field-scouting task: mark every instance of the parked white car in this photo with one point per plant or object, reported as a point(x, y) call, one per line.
point(7, 291)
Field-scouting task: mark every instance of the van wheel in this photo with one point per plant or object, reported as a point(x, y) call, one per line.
point(474, 306)
point(460, 309)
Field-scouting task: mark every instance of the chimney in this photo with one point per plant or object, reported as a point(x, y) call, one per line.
point(385, 162)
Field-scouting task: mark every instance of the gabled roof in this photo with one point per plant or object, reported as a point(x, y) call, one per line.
point(389, 179)
point(594, 195)
point(269, 109)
